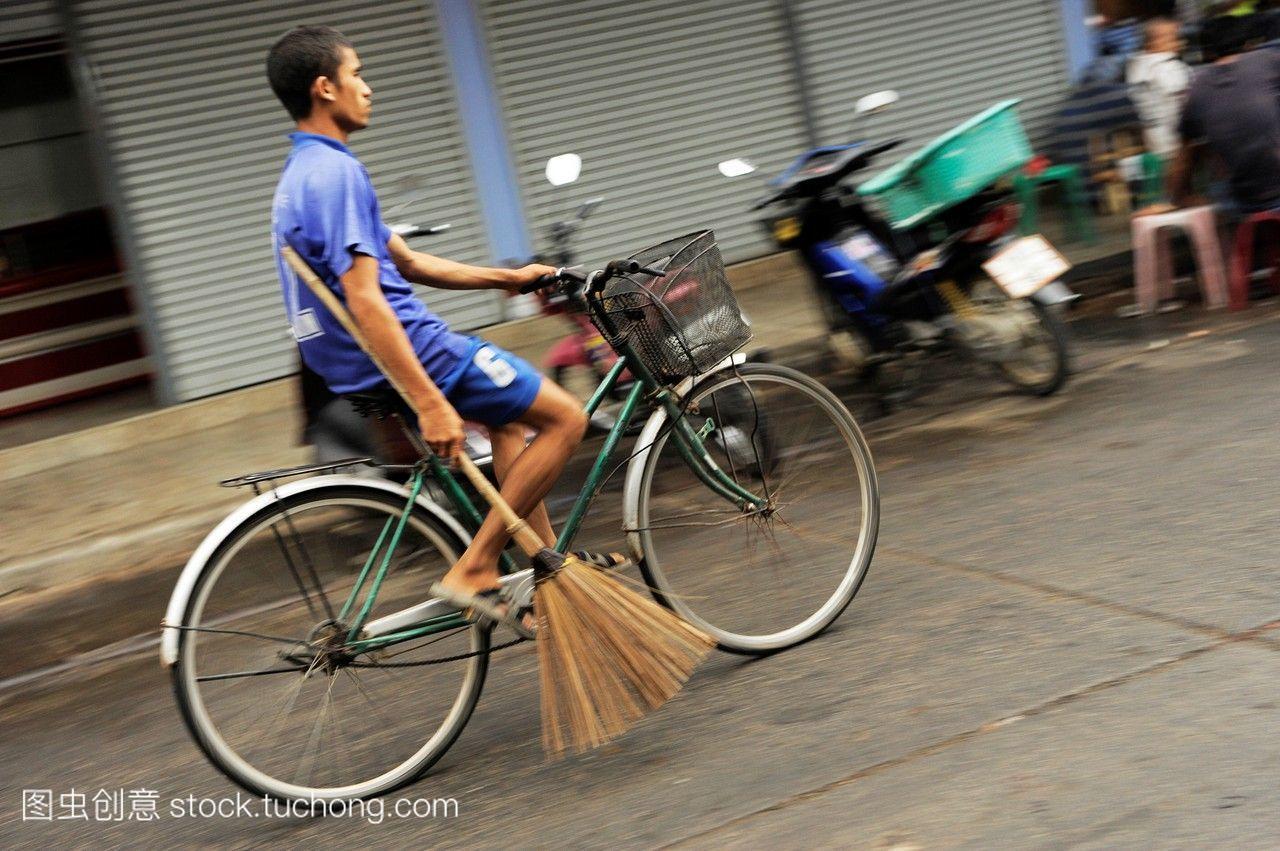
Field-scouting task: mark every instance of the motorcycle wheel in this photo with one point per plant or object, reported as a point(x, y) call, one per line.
point(1043, 361)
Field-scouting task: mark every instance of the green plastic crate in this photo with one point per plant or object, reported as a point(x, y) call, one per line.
point(953, 167)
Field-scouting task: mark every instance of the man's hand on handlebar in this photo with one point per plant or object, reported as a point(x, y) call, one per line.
point(522, 278)
point(573, 276)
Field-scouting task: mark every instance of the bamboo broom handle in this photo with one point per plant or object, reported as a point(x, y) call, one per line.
point(524, 536)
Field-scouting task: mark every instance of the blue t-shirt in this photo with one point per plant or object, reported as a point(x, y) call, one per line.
point(326, 210)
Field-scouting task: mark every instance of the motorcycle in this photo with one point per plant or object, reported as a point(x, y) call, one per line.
point(901, 295)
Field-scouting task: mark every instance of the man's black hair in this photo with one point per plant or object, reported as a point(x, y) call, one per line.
point(301, 55)
point(1225, 35)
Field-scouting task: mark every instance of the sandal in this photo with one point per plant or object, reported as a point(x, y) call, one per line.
point(604, 561)
point(491, 604)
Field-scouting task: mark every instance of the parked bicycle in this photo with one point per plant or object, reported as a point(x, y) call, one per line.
point(307, 664)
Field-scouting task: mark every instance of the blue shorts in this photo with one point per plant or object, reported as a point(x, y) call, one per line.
point(491, 385)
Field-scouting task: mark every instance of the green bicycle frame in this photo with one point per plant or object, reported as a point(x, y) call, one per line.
point(689, 444)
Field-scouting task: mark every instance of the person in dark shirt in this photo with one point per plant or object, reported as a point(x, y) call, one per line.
point(1233, 112)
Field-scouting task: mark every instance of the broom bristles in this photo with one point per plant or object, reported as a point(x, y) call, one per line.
point(606, 655)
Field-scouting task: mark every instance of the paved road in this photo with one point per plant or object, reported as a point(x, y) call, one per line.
point(1069, 637)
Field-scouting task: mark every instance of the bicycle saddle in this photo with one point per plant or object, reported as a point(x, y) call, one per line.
point(380, 402)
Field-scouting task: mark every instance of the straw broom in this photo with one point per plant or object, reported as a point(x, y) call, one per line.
point(606, 654)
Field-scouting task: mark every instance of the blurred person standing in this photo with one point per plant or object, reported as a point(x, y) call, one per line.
point(1158, 79)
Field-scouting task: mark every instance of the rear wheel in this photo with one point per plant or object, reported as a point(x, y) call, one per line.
point(1042, 363)
point(1038, 361)
point(760, 580)
point(262, 679)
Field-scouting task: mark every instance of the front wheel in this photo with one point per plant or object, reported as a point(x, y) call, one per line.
point(758, 581)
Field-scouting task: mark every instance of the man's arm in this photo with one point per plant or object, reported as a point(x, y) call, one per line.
point(440, 424)
point(435, 271)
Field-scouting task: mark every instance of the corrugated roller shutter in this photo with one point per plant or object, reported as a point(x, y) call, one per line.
point(948, 61)
point(26, 19)
point(652, 94)
point(197, 141)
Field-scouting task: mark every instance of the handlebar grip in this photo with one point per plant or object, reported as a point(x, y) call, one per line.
point(534, 286)
point(630, 267)
point(621, 267)
point(550, 280)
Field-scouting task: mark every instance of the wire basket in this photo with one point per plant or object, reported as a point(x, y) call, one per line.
point(683, 323)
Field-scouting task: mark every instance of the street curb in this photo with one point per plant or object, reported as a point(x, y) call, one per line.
point(167, 540)
point(164, 424)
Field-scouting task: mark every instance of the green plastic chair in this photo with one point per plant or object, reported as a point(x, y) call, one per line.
point(1080, 219)
point(1151, 189)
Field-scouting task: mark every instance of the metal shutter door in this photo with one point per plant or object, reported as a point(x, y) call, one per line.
point(948, 61)
point(652, 94)
point(24, 19)
point(197, 141)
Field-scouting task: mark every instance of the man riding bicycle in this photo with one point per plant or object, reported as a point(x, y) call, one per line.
point(325, 208)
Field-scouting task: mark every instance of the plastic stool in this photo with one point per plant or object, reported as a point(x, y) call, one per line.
point(1080, 222)
point(1153, 261)
point(1242, 256)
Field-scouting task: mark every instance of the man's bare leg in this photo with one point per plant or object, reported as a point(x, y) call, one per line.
point(560, 422)
point(508, 442)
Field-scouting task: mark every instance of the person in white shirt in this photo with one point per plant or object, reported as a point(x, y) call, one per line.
point(1158, 81)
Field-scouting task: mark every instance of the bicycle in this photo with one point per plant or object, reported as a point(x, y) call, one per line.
point(311, 592)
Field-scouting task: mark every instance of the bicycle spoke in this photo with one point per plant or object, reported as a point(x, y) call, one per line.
point(274, 638)
point(310, 566)
point(385, 723)
point(209, 678)
point(309, 753)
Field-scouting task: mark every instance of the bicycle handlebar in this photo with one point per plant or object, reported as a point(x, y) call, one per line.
point(573, 276)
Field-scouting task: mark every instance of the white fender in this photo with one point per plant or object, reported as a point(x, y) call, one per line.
point(644, 444)
point(187, 579)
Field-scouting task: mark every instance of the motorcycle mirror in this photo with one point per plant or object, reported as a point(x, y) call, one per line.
point(588, 207)
point(875, 102)
point(735, 167)
point(563, 169)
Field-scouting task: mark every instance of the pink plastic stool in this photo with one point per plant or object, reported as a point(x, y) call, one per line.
point(1153, 261)
point(1242, 255)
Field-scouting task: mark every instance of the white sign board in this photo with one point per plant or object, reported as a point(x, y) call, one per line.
point(1026, 265)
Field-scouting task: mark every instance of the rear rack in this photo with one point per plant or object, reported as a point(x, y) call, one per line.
point(304, 470)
